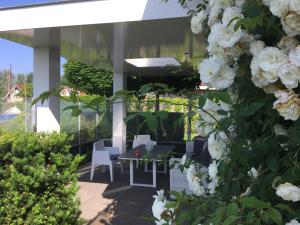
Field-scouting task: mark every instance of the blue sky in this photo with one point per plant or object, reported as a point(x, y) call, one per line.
point(19, 56)
point(6, 3)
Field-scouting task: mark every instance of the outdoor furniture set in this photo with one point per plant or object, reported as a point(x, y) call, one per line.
point(150, 153)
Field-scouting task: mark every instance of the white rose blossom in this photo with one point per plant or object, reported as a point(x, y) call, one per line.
point(215, 72)
point(293, 222)
point(289, 75)
point(196, 178)
point(256, 47)
point(265, 65)
point(287, 44)
point(287, 104)
point(279, 7)
point(294, 56)
point(217, 143)
point(197, 22)
point(288, 192)
point(253, 173)
point(158, 207)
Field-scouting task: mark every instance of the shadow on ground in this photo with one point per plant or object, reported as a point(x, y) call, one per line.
point(117, 203)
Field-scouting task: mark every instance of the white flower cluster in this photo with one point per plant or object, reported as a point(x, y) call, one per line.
point(158, 207)
point(201, 180)
point(288, 192)
point(293, 222)
point(225, 44)
point(209, 116)
point(271, 64)
point(277, 71)
point(196, 177)
point(217, 143)
point(287, 104)
point(289, 13)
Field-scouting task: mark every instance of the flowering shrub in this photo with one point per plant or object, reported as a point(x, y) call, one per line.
point(252, 120)
point(38, 180)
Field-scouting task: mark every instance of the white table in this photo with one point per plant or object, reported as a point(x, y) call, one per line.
point(158, 154)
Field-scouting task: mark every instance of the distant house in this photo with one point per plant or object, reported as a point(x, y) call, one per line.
point(13, 95)
point(66, 92)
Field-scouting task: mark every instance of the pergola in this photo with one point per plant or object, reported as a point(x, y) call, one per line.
point(125, 35)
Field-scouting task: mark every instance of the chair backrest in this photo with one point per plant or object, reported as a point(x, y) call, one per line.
point(100, 154)
point(99, 146)
point(140, 140)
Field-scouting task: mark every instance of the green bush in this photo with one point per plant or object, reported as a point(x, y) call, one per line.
point(38, 179)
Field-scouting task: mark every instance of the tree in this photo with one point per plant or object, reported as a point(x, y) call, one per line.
point(87, 78)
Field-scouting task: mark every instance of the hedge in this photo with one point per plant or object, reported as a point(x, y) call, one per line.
point(38, 180)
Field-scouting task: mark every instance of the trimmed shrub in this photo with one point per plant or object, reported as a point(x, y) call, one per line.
point(38, 179)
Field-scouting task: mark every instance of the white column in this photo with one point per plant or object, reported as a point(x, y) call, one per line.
point(46, 76)
point(119, 83)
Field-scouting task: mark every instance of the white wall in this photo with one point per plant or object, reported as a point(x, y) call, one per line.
point(89, 12)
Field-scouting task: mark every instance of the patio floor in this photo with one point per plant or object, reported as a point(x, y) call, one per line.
point(117, 203)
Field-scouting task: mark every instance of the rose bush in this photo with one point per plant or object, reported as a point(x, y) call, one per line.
point(251, 120)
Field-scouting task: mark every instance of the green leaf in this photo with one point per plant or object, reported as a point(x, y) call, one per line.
point(251, 109)
point(162, 114)
point(232, 210)
point(275, 215)
point(253, 202)
point(272, 163)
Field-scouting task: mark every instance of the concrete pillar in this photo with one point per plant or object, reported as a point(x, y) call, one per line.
point(46, 76)
point(119, 83)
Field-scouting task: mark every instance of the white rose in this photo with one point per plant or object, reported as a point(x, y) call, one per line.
point(240, 3)
point(210, 112)
point(210, 67)
point(287, 104)
point(287, 43)
point(214, 15)
point(225, 78)
point(197, 22)
point(265, 65)
point(291, 23)
point(294, 56)
point(225, 36)
point(253, 172)
point(270, 59)
point(231, 13)
point(256, 47)
point(279, 7)
point(212, 185)
point(293, 222)
point(213, 170)
point(203, 129)
point(279, 130)
point(295, 5)
point(217, 145)
point(289, 75)
point(288, 192)
point(196, 179)
point(158, 207)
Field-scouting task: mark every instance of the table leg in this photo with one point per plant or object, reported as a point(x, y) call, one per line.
point(154, 173)
point(131, 172)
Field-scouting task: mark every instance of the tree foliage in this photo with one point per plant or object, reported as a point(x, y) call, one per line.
point(87, 78)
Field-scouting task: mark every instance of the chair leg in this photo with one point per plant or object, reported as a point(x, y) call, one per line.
point(121, 165)
point(92, 171)
point(146, 166)
point(103, 168)
point(137, 164)
point(111, 173)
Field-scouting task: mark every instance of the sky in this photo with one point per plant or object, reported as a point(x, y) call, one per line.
point(18, 56)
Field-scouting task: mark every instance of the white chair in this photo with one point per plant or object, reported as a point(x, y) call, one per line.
point(105, 156)
point(142, 140)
